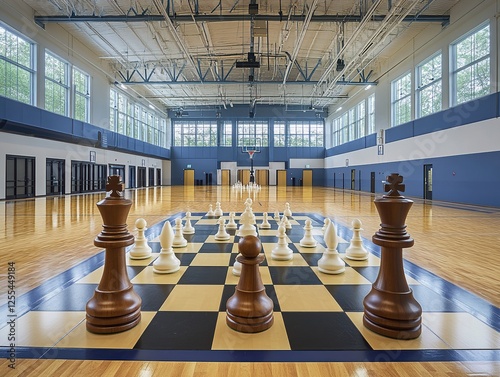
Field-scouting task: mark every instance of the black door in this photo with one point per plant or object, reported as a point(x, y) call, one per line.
point(54, 173)
point(141, 177)
point(158, 177)
point(372, 181)
point(428, 181)
point(20, 177)
point(151, 176)
point(131, 177)
point(353, 179)
point(117, 170)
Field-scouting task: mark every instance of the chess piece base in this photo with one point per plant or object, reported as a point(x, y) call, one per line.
point(249, 325)
point(402, 330)
point(170, 271)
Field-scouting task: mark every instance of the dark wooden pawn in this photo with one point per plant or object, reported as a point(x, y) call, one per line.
point(115, 306)
point(249, 309)
point(390, 308)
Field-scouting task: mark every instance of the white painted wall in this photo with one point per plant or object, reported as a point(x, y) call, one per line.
point(300, 163)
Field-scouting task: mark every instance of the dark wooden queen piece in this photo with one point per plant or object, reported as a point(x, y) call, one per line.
point(390, 308)
point(249, 309)
point(115, 306)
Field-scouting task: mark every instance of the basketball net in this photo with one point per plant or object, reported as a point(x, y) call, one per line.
point(250, 153)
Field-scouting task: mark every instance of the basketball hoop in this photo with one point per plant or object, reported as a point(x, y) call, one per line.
point(251, 153)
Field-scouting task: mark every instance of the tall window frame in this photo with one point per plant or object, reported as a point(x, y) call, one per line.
point(279, 133)
point(226, 134)
point(195, 133)
point(249, 131)
point(17, 66)
point(429, 85)
point(81, 95)
point(401, 102)
point(57, 87)
point(370, 104)
point(471, 65)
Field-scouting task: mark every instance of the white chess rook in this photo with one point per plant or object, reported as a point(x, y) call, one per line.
point(167, 262)
point(308, 240)
point(179, 240)
point(330, 262)
point(356, 249)
point(281, 251)
point(140, 249)
point(188, 228)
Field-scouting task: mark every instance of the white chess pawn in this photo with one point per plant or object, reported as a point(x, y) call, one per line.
point(281, 251)
point(188, 228)
point(326, 221)
point(287, 211)
point(210, 212)
point(308, 240)
point(277, 217)
point(222, 235)
point(330, 262)
point(140, 249)
point(179, 240)
point(288, 224)
point(356, 249)
point(236, 266)
point(247, 228)
point(231, 224)
point(167, 262)
point(265, 222)
point(218, 210)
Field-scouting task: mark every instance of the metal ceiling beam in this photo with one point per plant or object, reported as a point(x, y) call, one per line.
point(41, 20)
point(227, 82)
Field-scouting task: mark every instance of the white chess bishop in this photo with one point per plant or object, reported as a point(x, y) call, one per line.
point(140, 249)
point(356, 249)
point(330, 262)
point(167, 262)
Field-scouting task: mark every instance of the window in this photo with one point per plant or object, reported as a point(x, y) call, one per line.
point(401, 100)
point(252, 133)
point(305, 134)
point(17, 68)
point(279, 134)
point(135, 120)
point(81, 83)
point(227, 134)
point(195, 133)
point(56, 84)
point(429, 83)
point(371, 114)
point(471, 66)
point(360, 120)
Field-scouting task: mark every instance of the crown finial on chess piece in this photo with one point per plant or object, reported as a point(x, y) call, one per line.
point(114, 187)
point(394, 184)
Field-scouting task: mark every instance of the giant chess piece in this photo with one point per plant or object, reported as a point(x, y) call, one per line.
point(222, 235)
point(231, 224)
point(308, 239)
point(265, 222)
point(287, 211)
point(188, 227)
point(330, 262)
point(281, 251)
point(356, 250)
point(140, 249)
point(390, 308)
point(115, 306)
point(249, 309)
point(218, 210)
point(179, 240)
point(167, 262)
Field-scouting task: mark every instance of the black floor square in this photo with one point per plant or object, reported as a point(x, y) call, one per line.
point(370, 272)
point(153, 295)
point(312, 258)
point(322, 331)
point(204, 275)
point(293, 275)
point(74, 297)
point(230, 289)
point(179, 331)
point(350, 297)
point(216, 248)
point(185, 258)
point(197, 237)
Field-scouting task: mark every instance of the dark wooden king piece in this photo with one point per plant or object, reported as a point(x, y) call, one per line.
point(249, 309)
point(390, 308)
point(115, 306)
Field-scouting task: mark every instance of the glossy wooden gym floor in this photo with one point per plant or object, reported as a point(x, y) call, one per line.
point(46, 236)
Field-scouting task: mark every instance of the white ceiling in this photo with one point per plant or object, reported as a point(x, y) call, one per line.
point(182, 53)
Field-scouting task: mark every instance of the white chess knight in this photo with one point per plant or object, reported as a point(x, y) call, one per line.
point(356, 249)
point(231, 223)
point(308, 239)
point(222, 235)
point(218, 210)
point(281, 251)
point(265, 222)
point(188, 228)
point(179, 240)
point(167, 262)
point(140, 249)
point(330, 262)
